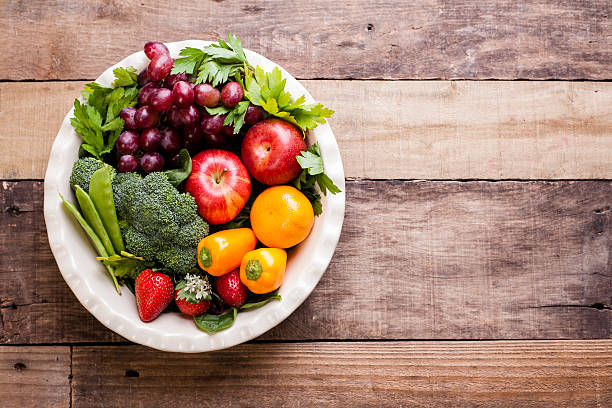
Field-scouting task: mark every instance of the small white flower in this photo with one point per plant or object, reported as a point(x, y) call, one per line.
point(197, 285)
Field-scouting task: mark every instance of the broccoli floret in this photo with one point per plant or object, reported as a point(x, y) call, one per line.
point(157, 221)
point(83, 169)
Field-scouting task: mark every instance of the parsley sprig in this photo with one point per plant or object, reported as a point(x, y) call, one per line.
point(98, 120)
point(216, 63)
point(312, 173)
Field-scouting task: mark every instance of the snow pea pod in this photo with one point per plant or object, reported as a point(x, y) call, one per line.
point(93, 218)
point(101, 193)
point(95, 240)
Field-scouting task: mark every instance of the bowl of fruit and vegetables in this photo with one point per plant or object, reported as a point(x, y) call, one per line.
point(194, 195)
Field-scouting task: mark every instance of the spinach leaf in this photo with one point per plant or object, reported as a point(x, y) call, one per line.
point(267, 298)
point(211, 323)
point(180, 174)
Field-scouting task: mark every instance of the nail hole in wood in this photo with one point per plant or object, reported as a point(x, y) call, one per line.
point(370, 27)
point(20, 366)
point(132, 373)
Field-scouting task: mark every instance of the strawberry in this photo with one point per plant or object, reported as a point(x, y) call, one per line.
point(190, 308)
point(154, 292)
point(192, 295)
point(231, 289)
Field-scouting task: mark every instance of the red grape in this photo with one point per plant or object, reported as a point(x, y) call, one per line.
point(228, 130)
point(175, 118)
point(159, 67)
point(145, 117)
point(150, 139)
point(231, 94)
point(127, 163)
point(211, 125)
point(127, 142)
point(170, 140)
point(206, 95)
point(145, 93)
point(153, 48)
point(215, 140)
point(182, 94)
point(174, 78)
point(189, 116)
point(253, 115)
point(127, 114)
point(151, 162)
point(192, 138)
point(143, 78)
point(160, 99)
point(172, 160)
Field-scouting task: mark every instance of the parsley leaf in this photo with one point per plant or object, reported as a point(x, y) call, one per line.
point(312, 165)
point(267, 89)
point(98, 121)
point(125, 76)
point(215, 63)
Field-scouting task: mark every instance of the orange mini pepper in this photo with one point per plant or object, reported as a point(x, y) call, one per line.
point(263, 270)
point(222, 252)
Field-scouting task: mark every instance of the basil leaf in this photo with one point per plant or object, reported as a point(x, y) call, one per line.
point(180, 174)
point(254, 305)
point(211, 323)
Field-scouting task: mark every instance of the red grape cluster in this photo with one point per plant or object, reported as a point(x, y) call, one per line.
point(171, 115)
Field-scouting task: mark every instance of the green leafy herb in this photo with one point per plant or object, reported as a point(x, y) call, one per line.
point(98, 120)
point(125, 265)
point(215, 63)
point(267, 89)
point(312, 165)
point(180, 174)
point(125, 76)
point(211, 323)
point(264, 300)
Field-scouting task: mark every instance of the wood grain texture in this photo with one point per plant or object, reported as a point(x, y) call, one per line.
point(36, 377)
point(396, 129)
point(542, 39)
point(416, 260)
point(436, 374)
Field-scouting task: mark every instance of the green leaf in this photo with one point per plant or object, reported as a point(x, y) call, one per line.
point(211, 323)
point(180, 174)
point(189, 62)
point(219, 110)
point(311, 162)
point(325, 183)
point(125, 76)
point(253, 269)
point(266, 299)
point(125, 265)
point(236, 116)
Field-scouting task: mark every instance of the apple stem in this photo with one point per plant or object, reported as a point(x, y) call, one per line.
point(220, 176)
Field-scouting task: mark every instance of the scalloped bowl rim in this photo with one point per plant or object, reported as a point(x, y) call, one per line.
point(173, 332)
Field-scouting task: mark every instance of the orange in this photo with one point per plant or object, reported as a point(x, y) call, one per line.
point(281, 217)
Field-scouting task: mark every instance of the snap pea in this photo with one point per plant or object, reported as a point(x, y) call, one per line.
point(101, 193)
point(93, 218)
point(95, 240)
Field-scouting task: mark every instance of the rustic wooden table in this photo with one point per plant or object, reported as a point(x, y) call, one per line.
point(475, 262)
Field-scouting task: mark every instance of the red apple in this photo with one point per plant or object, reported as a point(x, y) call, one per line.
point(220, 184)
point(269, 149)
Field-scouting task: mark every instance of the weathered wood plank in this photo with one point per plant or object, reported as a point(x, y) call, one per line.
point(416, 260)
point(35, 377)
point(396, 129)
point(317, 39)
point(434, 374)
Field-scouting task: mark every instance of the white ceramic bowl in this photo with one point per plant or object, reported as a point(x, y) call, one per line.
point(173, 332)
